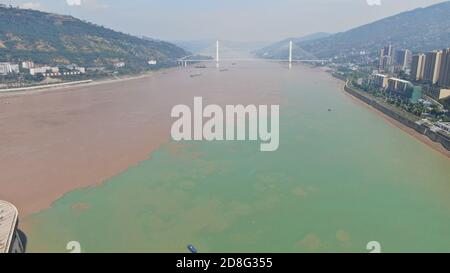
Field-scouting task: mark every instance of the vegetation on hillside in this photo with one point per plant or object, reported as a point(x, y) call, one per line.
point(57, 39)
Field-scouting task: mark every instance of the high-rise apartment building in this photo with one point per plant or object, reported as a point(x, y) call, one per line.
point(403, 59)
point(432, 67)
point(386, 58)
point(444, 73)
point(417, 67)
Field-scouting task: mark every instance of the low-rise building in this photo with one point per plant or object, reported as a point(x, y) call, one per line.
point(436, 92)
point(76, 68)
point(80, 69)
point(119, 64)
point(9, 68)
point(43, 70)
point(15, 68)
point(28, 65)
point(444, 94)
point(444, 126)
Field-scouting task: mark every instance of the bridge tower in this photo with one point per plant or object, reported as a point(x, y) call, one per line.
point(217, 54)
point(290, 54)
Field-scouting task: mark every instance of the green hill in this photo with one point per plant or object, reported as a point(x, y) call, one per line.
point(57, 39)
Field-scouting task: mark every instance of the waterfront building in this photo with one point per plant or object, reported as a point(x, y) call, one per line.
point(81, 69)
point(444, 74)
point(119, 64)
point(404, 89)
point(10, 239)
point(44, 70)
point(444, 126)
point(392, 84)
point(27, 64)
point(402, 85)
point(4, 68)
point(432, 67)
point(15, 68)
point(417, 67)
point(8, 68)
point(414, 93)
point(380, 81)
point(76, 68)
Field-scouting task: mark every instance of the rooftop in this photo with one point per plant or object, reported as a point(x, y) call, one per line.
point(8, 221)
point(399, 80)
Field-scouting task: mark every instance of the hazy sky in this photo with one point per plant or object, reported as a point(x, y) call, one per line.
point(238, 20)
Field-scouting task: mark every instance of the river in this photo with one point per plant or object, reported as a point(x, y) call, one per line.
point(340, 179)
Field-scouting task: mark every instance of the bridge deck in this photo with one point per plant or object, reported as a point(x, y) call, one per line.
point(252, 60)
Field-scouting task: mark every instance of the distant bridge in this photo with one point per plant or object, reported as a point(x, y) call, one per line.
point(184, 61)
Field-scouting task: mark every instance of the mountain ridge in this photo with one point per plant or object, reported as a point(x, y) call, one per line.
point(61, 39)
point(421, 29)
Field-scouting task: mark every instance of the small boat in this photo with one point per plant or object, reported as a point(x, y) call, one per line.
point(329, 110)
point(223, 70)
point(196, 75)
point(192, 249)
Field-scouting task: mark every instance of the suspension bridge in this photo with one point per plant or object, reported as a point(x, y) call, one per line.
point(290, 60)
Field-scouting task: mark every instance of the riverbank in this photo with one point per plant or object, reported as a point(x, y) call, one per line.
point(67, 85)
point(396, 120)
point(44, 86)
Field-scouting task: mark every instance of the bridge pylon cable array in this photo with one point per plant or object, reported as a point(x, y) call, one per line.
point(218, 58)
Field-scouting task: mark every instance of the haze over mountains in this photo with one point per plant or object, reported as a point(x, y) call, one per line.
point(421, 29)
point(281, 48)
point(57, 39)
point(208, 46)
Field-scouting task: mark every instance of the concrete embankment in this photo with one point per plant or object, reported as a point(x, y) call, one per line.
point(44, 86)
point(422, 129)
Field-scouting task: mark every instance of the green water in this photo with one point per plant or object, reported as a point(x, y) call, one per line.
point(339, 180)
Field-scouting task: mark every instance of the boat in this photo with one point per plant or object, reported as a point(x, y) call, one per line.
point(192, 249)
point(196, 75)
